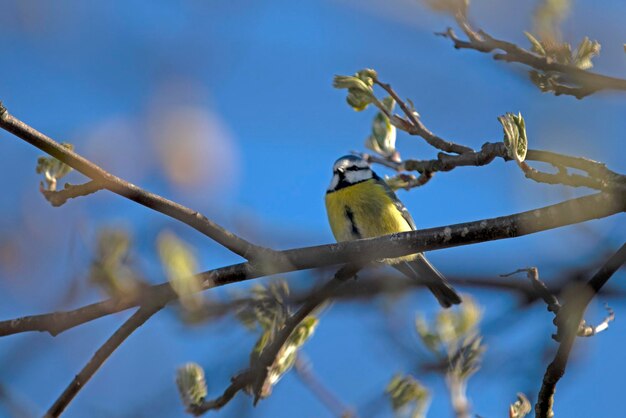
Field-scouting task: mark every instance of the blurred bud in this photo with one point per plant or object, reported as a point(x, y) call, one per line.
point(520, 408)
point(191, 384)
point(180, 266)
point(466, 360)
point(430, 339)
point(452, 7)
point(406, 390)
point(514, 136)
point(468, 316)
point(402, 180)
point(548, 16)
point(286, 357)
point(53, 169)
point(383, 137)
point(266, 308)
point(110, 269)
point(450, 328)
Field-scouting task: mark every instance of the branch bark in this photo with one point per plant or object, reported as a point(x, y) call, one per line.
point(569, 212)
point(123, 188)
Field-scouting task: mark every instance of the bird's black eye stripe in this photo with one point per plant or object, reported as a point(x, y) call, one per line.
point(354, 168)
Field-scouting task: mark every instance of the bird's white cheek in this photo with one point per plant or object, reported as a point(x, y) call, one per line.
point(358, 176)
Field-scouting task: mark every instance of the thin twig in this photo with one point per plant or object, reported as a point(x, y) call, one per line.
point(123, 188)
point(418, 128)
point(304, 371)
point(569, 212)
point(568, 322)
point(135, 321)
point(70, 191)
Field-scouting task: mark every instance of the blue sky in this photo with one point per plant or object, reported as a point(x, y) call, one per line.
point(264, 127)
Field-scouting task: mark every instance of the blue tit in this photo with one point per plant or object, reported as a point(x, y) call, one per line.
point(361, 205)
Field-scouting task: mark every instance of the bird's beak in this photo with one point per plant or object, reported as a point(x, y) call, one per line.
point(341, 170)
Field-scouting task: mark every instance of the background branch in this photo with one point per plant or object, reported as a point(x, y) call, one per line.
point(568, 322)
point(135, 321)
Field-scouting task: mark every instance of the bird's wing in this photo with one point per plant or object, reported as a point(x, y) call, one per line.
point(399, 205)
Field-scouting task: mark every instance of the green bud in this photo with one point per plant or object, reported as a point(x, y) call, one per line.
point(586, 51)
point(180, 266)
point(368, 76)
point(191, 384)
point(383, 138)
point(515, 139)
point(359, 86)
point(350, 83)
point(53, 169)
point(406, 390)
point(358, 100)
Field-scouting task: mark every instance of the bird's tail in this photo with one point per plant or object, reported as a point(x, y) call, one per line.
point(422, 270)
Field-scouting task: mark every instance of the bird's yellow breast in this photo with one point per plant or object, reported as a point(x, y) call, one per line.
point(363, 208)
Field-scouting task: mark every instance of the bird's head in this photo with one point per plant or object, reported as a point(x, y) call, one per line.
point(349, 170)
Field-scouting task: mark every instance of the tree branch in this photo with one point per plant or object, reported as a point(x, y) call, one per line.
point(598, 177)
point(568, 323)
point(135, 321)
point(572, 80)
point(123, 188)
point(415, 125)
point(554, 216)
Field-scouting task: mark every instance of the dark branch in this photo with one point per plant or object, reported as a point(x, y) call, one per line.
point(569, 80)
point(123, 188)
point(554, 216)
point(568, 321)
point(138, 319)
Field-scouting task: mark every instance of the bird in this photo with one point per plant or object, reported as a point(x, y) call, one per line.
point(360, 204)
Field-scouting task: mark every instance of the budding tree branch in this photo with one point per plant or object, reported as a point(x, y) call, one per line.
point(123, 188)
point(573, 81)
